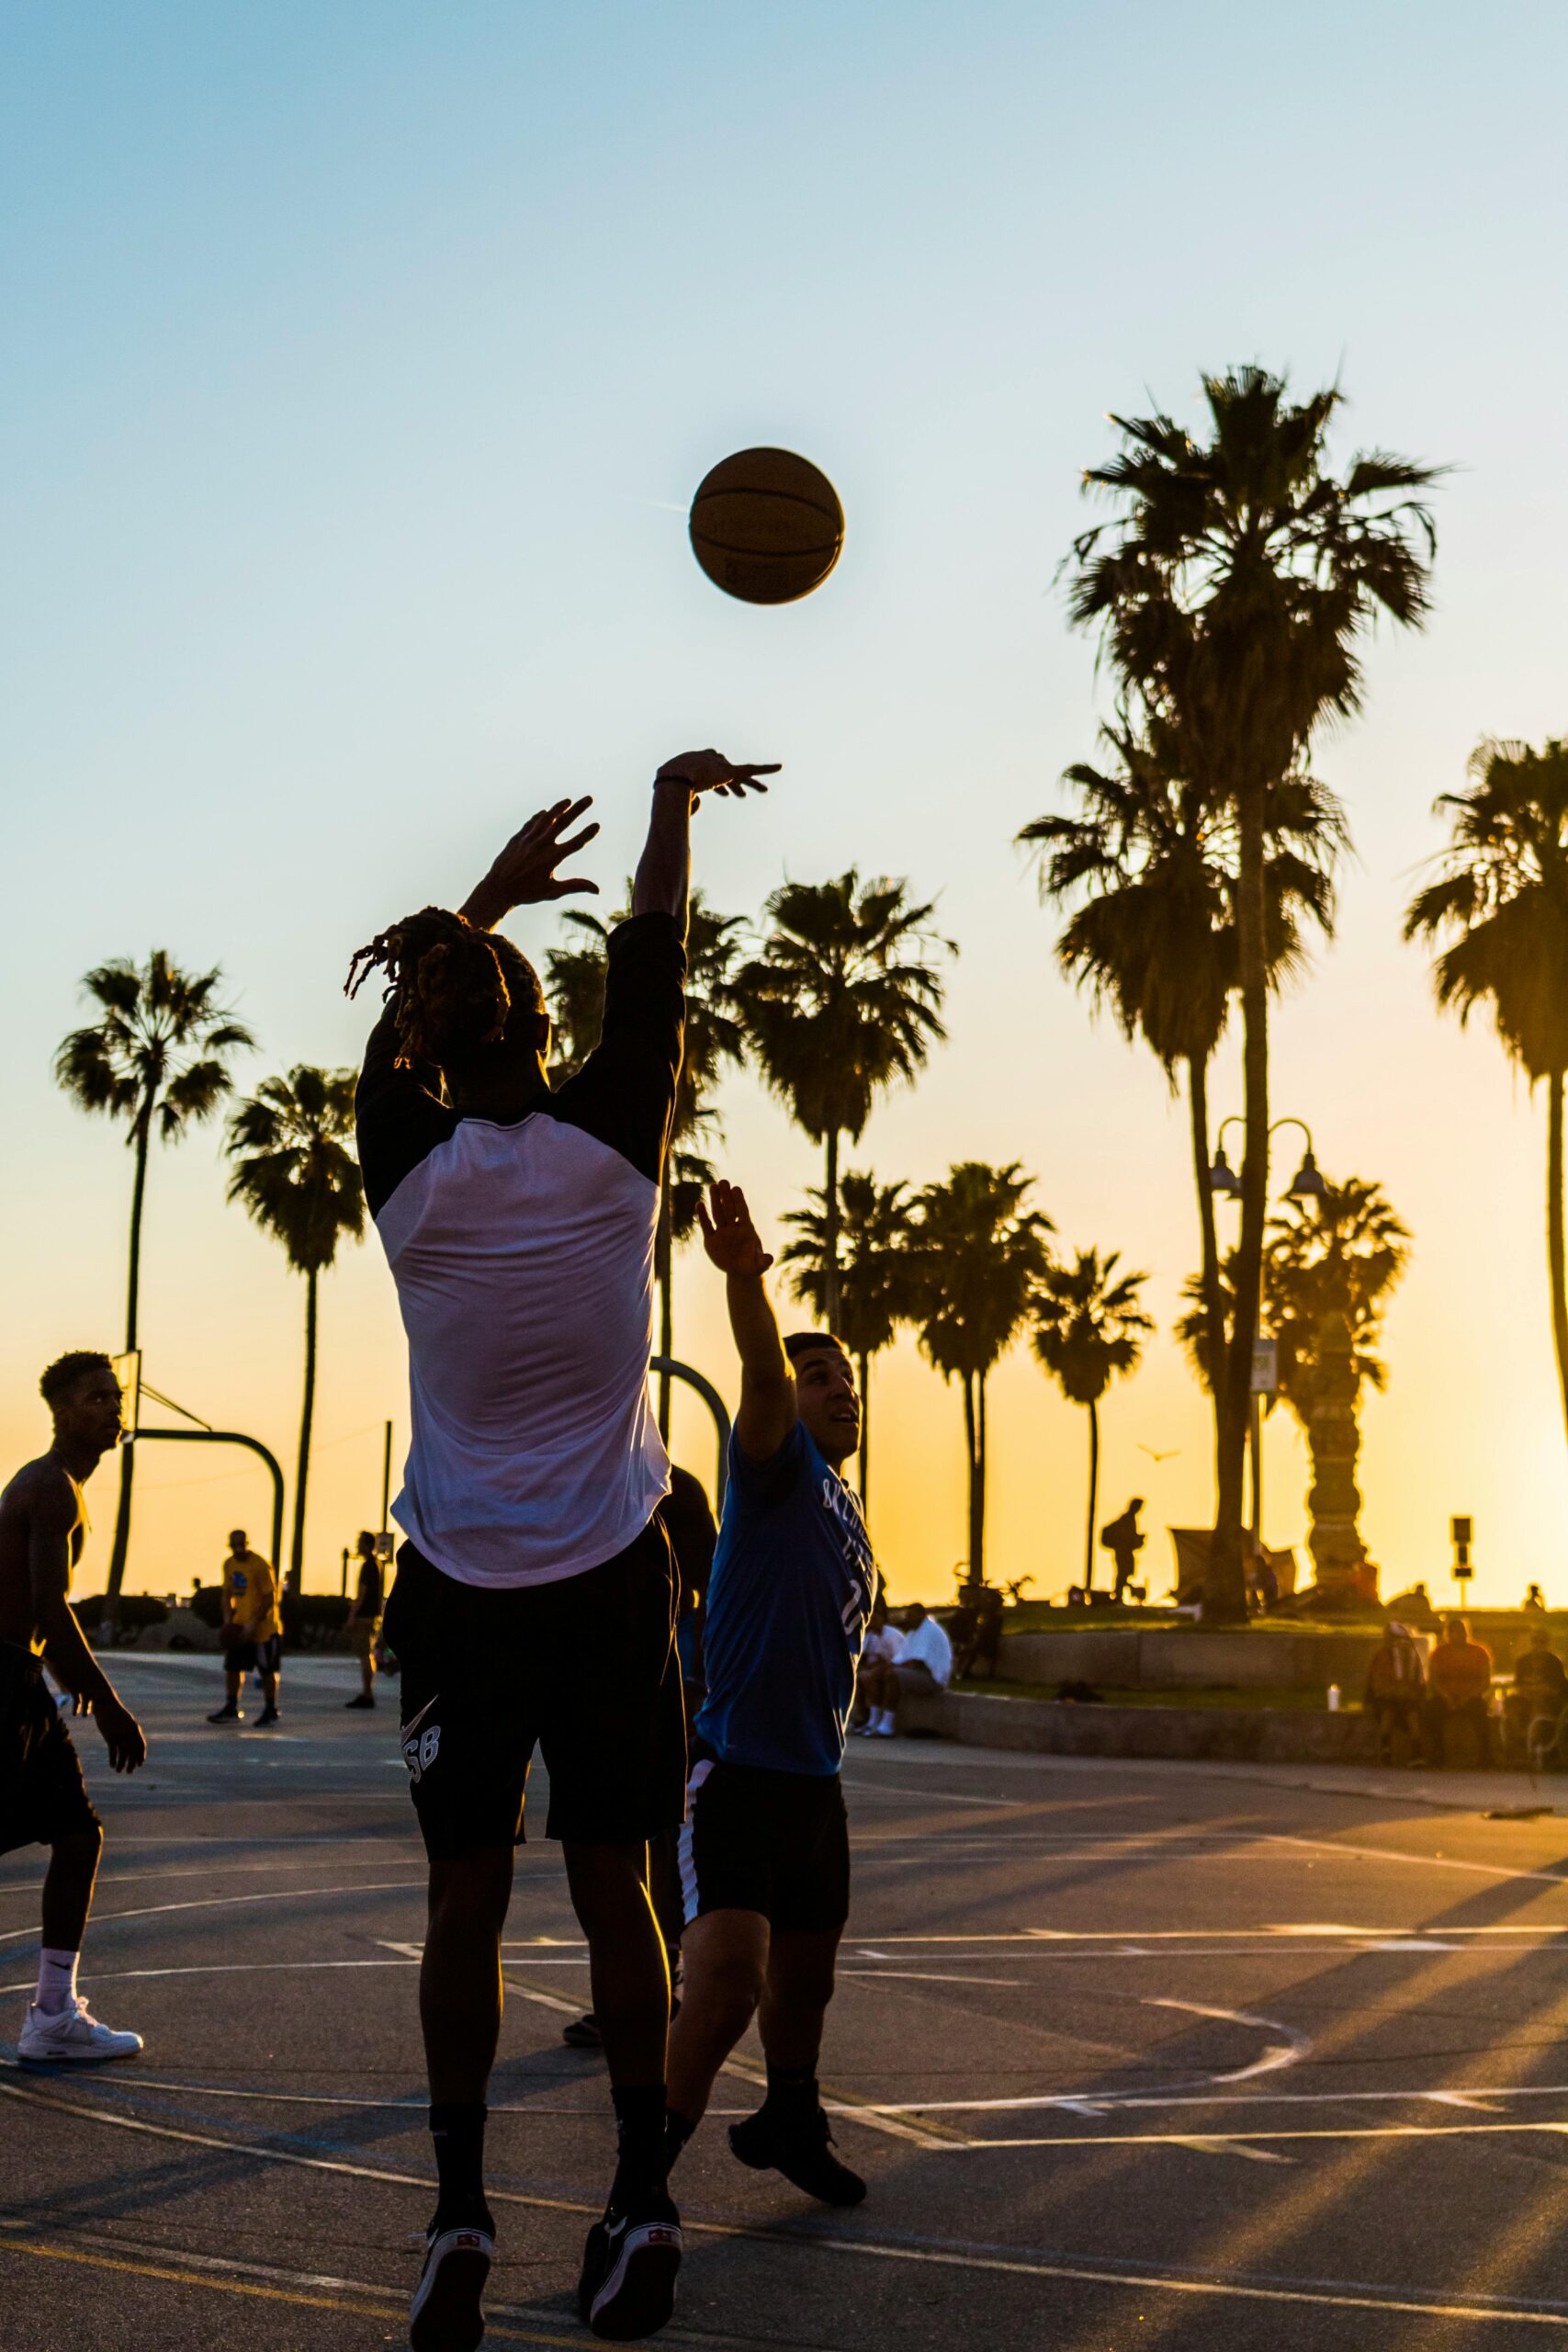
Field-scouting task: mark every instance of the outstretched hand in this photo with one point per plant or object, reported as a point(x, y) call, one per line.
point(123, 1736)
point(730, 1238)
point(711, 772)
point(523, 874)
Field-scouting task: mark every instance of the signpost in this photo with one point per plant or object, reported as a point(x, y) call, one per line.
point(1462, 1531)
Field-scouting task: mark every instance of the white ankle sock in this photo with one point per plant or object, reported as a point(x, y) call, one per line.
point(56, 1981)
point(884, 1719)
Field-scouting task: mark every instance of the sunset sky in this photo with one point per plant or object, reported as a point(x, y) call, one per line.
point(359, 366)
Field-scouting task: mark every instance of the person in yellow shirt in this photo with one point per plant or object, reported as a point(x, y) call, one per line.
point(250, 1629)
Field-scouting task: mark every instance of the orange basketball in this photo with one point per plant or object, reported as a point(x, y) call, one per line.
point(767, 526)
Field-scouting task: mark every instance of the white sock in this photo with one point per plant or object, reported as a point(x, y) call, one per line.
point(56, 1981)
point(884, 1719)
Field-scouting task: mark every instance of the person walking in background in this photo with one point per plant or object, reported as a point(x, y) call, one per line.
point(1540, 1687)
point(363, 1623)
point(1458, 1683)
point(1123, 1539)
point(43, 1798)
point(1395, 1692)
point(250, 1630)
point(923, 1663)
point(1534, 1597)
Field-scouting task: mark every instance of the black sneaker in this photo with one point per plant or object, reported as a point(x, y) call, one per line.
point(362, 1699)
point(627, 2286)
point(229, 1712)
point(268, 1715)
point(802, 2150)
point(447, 2313)
point(583, 2033)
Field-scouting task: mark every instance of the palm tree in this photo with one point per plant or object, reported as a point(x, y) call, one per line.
point(575, 982)
point(291, 1147)
point(1152, 937)
point(1233, 593)
point(1502, 900)
point(983, 1250)
point(881, 1278)
point(1088, 1329)
point(843, 999)
point(155, 1057)
point(1329, 1270)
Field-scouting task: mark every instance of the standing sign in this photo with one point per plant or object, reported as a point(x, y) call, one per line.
point(1265, 1367)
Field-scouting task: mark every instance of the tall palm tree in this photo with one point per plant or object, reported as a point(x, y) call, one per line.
point(881, 1275)
point(156, 1056)
point(1502, 900)
point(290, 1150)
point(1233, 593)
point(983, 1250)
point(1150, 864)
point(845, 997)
point(1088, 1329)
point(574, 975)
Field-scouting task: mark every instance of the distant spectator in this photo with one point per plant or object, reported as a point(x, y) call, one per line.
point(1540, 1685)
point(1414, 1609)
point(291, 1611)
point(1534, 1597)
point(1123, 1539)
point(879, 1647)
point(363, 1625)
point(924, 1662)
point(976, 1628)
point(1459, 1681)
point(1395, 1691)
point(250, 1630)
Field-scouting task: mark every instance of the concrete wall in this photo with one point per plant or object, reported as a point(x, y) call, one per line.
point(1232, 1734)
point(1168, 1658)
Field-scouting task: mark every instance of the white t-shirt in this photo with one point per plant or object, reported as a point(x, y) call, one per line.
point(522, 1256)
point(927, 1645)
point(881, 1648)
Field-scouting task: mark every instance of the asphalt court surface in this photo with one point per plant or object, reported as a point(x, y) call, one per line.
point(1130, 2054)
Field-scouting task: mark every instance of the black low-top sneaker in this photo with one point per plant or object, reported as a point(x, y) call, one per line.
point(447, 2314)
point(627, 2288)
point(802, 2149)
point(229, 1712)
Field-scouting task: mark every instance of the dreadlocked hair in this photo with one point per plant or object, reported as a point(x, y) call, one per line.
point(452, 985)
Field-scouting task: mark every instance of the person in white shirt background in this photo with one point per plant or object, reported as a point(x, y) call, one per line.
point(922, 1661)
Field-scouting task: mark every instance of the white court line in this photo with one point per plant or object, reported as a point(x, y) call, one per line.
point(1338, 2295)
point(1423, 1861)
point(227, 1902)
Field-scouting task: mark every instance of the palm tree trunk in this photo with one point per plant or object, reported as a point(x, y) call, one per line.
point(1225, 1596)
point(982, 1466)
point(306, 1415)
point(122, 1546)
point(1093, 1494)
point(831, 1232)
point(1555, 1248)
point(976, 1529)
point(865, 1366)
point(663, 1261)
point(1214, 1302)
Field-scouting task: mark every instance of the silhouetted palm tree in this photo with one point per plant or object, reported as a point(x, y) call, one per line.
point(881, 1275)
point(574, 974)
point(1088, 1329)
point(1154, 937)
point(983, 1252)
point(1233, 593)
point(845, 997)
point(290, 1149)
point(1502, 900)
point(155, 1057)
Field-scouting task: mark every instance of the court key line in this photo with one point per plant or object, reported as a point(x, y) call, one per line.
point(1340, 2296)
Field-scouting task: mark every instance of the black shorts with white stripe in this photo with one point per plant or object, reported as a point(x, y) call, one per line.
point(777, 1843)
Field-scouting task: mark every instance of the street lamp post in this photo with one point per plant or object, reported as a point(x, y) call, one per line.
point(1307, 1185)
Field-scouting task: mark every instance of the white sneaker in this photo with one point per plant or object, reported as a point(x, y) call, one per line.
point(448, 2309)
point(71, 2037)
point(883, 1731)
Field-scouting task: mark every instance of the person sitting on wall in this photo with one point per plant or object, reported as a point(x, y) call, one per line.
point(1458, 1683)
point(1540, 1688)
point(1395, 1690)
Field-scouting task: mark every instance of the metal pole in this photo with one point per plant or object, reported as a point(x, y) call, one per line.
point(1258, 1468)
point(385, 1484)
point(232, 1437)
point(716, 1405)
point(342, 1587)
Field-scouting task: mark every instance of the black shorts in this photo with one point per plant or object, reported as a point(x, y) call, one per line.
point(42, 1794)
point(263, 1656)
point(773, 1842)
point(585, 1669)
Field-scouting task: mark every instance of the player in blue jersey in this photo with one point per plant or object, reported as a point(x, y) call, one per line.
point(764, 1852)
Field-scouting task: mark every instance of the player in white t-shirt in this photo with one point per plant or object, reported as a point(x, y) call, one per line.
point(923, 1661)
point(534, 1602)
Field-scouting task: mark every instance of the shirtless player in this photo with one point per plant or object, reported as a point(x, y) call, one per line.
point(44, 1801)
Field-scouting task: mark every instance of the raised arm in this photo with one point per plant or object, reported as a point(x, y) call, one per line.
point(665, 869)
point(768, 1410)
point(65, 1646)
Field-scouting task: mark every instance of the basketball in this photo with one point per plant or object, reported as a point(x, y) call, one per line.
point(767, 526)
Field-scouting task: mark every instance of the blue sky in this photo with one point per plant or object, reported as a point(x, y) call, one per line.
point(360, 364)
